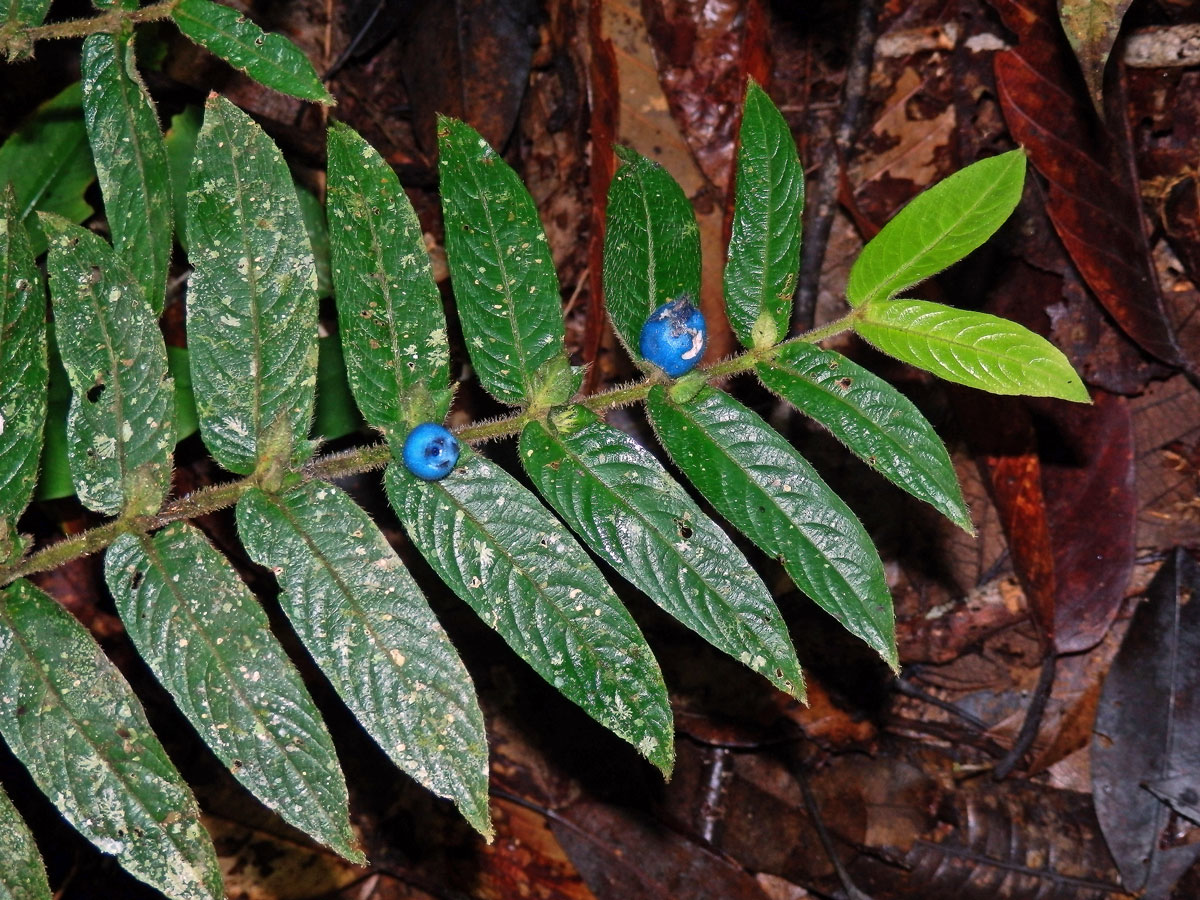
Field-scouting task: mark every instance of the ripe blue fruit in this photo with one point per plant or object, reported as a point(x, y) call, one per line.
point(430, 451)
point(674, 336)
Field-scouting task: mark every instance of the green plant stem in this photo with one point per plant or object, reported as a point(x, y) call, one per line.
point(364, 459)
point(111, 22)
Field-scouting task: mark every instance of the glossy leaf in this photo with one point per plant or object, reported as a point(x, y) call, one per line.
point(370, 630)
point(621, 501)
point(270, 59)
point(72, 720)
point(23, 875)
point(938, 228)
point(252, 307)
point(970, 348)
point(504, 279)
point(522, 572)
point(756, 480)
point(764, 247)
point(23, 13)
point(131, 161)
point(208, 641)
point(120, 428)
point(875, 421)
point(389, 309)
point(23, 362)
point(651, 245)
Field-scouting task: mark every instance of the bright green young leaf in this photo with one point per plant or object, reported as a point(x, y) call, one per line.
point(270, 59)
point(180, 141)
point(252, 306)
point(73, 721)
point(120, 428)
point(651, 245)
point(369, 629)
point(208, 641)
point(48, 162)
point(938, 228)
point(970, 348)
point(318, 236)
point(621, 501)
point(336, 413)
point(504, 279)
point(389, 309)
point(24, 368)
point(23, 875)
point(131, 161)
point(756, 480)
point(522, 572)
point(875, 421)
point(764, 246)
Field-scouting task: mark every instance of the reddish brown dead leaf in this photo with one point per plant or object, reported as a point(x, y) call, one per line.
point(1166, 423)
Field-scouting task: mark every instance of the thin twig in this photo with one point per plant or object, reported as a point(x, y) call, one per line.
point(1033, 718)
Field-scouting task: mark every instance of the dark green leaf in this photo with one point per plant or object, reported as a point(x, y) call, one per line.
point(336, 414)
point(970, 348)
point(504, 279)
point(22, 875)
point(389, 309)
point(651, 245)
point(764, 247)
point(755, 479)
point(522, 572)
point(24, 368)
point(185, 402)
point(269, 59)
point(318, 236)
point(120, 430)
point(252, 306)
point(621, 501)
point(55, 478)
point(23, 13)
point(131, 161)
point(367, 625)
point(208, 641)
point(73, 721)
point(874, 420)
point(180, 142)
point(938, 228)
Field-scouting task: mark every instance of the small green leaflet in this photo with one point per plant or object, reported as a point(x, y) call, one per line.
point(522, 572)
point(389, 310)
point(621, 501)
point(875, 421)
point(651, 245)
point(252, 315)
point(22, 876)
point(23, 362)
point(756, 480)
point(504, 279)
point(65, 711)
point(970, 348)
point(120, 428)
point(369, 629)
point(938, 228)
point(270, 59)
point(208, 641)
point(131, 161)
point(764, 246)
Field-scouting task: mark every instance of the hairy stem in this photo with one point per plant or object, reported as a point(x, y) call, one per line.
point(108, 22)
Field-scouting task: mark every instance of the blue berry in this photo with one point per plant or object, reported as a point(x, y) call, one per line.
point(674, 336)
point(430, 451)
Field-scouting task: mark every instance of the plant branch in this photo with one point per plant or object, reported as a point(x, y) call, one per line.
point(111, 21)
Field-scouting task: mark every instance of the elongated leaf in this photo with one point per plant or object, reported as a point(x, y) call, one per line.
point(252, 308)
point(522, 572)
point(180, 141)
point(504, 278)
point(938, 228)
point(73, 721)
point(318, 236)
point(185, 401)
point(1091, 27)
point(651, 245)
point(22, 876)
point(368, 627)
point(336, 413)
point(54, 481)
point(269, 59)
point(208, 641)
point(389, 309)
point(621, 501)
point(764, 247)
point(970, 348)
point(755, 479)
point(131, 161)
point(120, 429)
point(48, 162)
point(874, 420)
point(24, 368)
